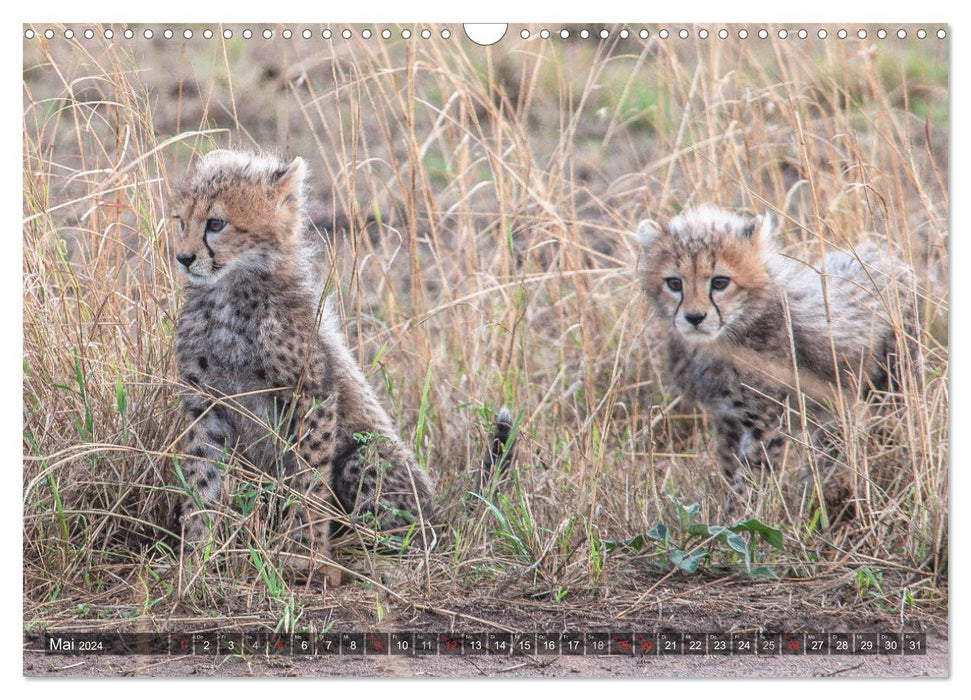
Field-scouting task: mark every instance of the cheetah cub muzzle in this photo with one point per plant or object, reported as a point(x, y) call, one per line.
point(740, 324)
point(269, 378)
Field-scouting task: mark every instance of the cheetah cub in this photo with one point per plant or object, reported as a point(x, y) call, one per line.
point(270, 378)
point(741, 324)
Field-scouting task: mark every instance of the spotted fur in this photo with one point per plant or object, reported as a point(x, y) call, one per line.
point(268, 375)
point(741, 324)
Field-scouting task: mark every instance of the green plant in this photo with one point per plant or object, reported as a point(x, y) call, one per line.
point(693, 542)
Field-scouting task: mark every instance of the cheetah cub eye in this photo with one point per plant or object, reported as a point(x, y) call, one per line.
point(720, 283)
point(215, 225)
point(674, 283)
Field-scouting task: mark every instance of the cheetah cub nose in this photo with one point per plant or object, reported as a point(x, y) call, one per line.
point(694, 319)
point(186, 259)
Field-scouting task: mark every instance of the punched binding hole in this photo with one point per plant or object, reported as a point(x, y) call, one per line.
point(488, 34)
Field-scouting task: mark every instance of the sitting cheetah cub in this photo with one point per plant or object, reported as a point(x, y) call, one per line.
point(742, 324)
point(270, 378)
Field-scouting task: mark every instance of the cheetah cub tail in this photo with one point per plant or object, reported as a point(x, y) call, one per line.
point(498, 454)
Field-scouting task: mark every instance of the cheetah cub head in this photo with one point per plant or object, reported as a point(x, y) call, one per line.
point(706, 272)
point(237, 211)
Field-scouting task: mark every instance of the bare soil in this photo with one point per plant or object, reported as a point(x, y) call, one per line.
point(680, 605)
point(934, 665)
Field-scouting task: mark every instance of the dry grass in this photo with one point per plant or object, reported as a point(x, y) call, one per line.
point(475, 209)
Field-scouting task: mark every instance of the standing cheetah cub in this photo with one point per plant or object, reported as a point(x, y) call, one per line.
point(742, 324)
point(270, 378)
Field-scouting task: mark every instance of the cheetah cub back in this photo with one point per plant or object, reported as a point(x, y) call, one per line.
point(740, 324)
point(269, 378)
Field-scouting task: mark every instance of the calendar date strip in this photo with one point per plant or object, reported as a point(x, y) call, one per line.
point(632, 644)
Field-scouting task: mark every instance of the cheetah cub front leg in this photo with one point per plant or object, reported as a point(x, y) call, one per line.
point(206, 445)
point(747, 445)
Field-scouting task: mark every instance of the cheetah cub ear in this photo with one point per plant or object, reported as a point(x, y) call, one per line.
point(287, 182)
point(760, 229)
point(647, 232)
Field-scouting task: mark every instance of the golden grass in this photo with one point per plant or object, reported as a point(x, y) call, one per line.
point(474, 209)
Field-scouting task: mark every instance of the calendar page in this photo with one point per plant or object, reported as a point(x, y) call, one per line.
point(486, 350)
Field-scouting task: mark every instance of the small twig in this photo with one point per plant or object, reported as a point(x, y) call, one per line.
point(55, 667)
point(841, 670)
point(512, 668)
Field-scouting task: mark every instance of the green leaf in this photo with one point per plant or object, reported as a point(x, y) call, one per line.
point(659, 532)
point(687, 563)
point(736, 542)
point(698, 530)
point(724, 535)
point(770, 534)
point(686, 514)
point(635, 543)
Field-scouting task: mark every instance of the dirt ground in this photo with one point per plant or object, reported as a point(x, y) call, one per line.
point(934, 664)
point(677, 605)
